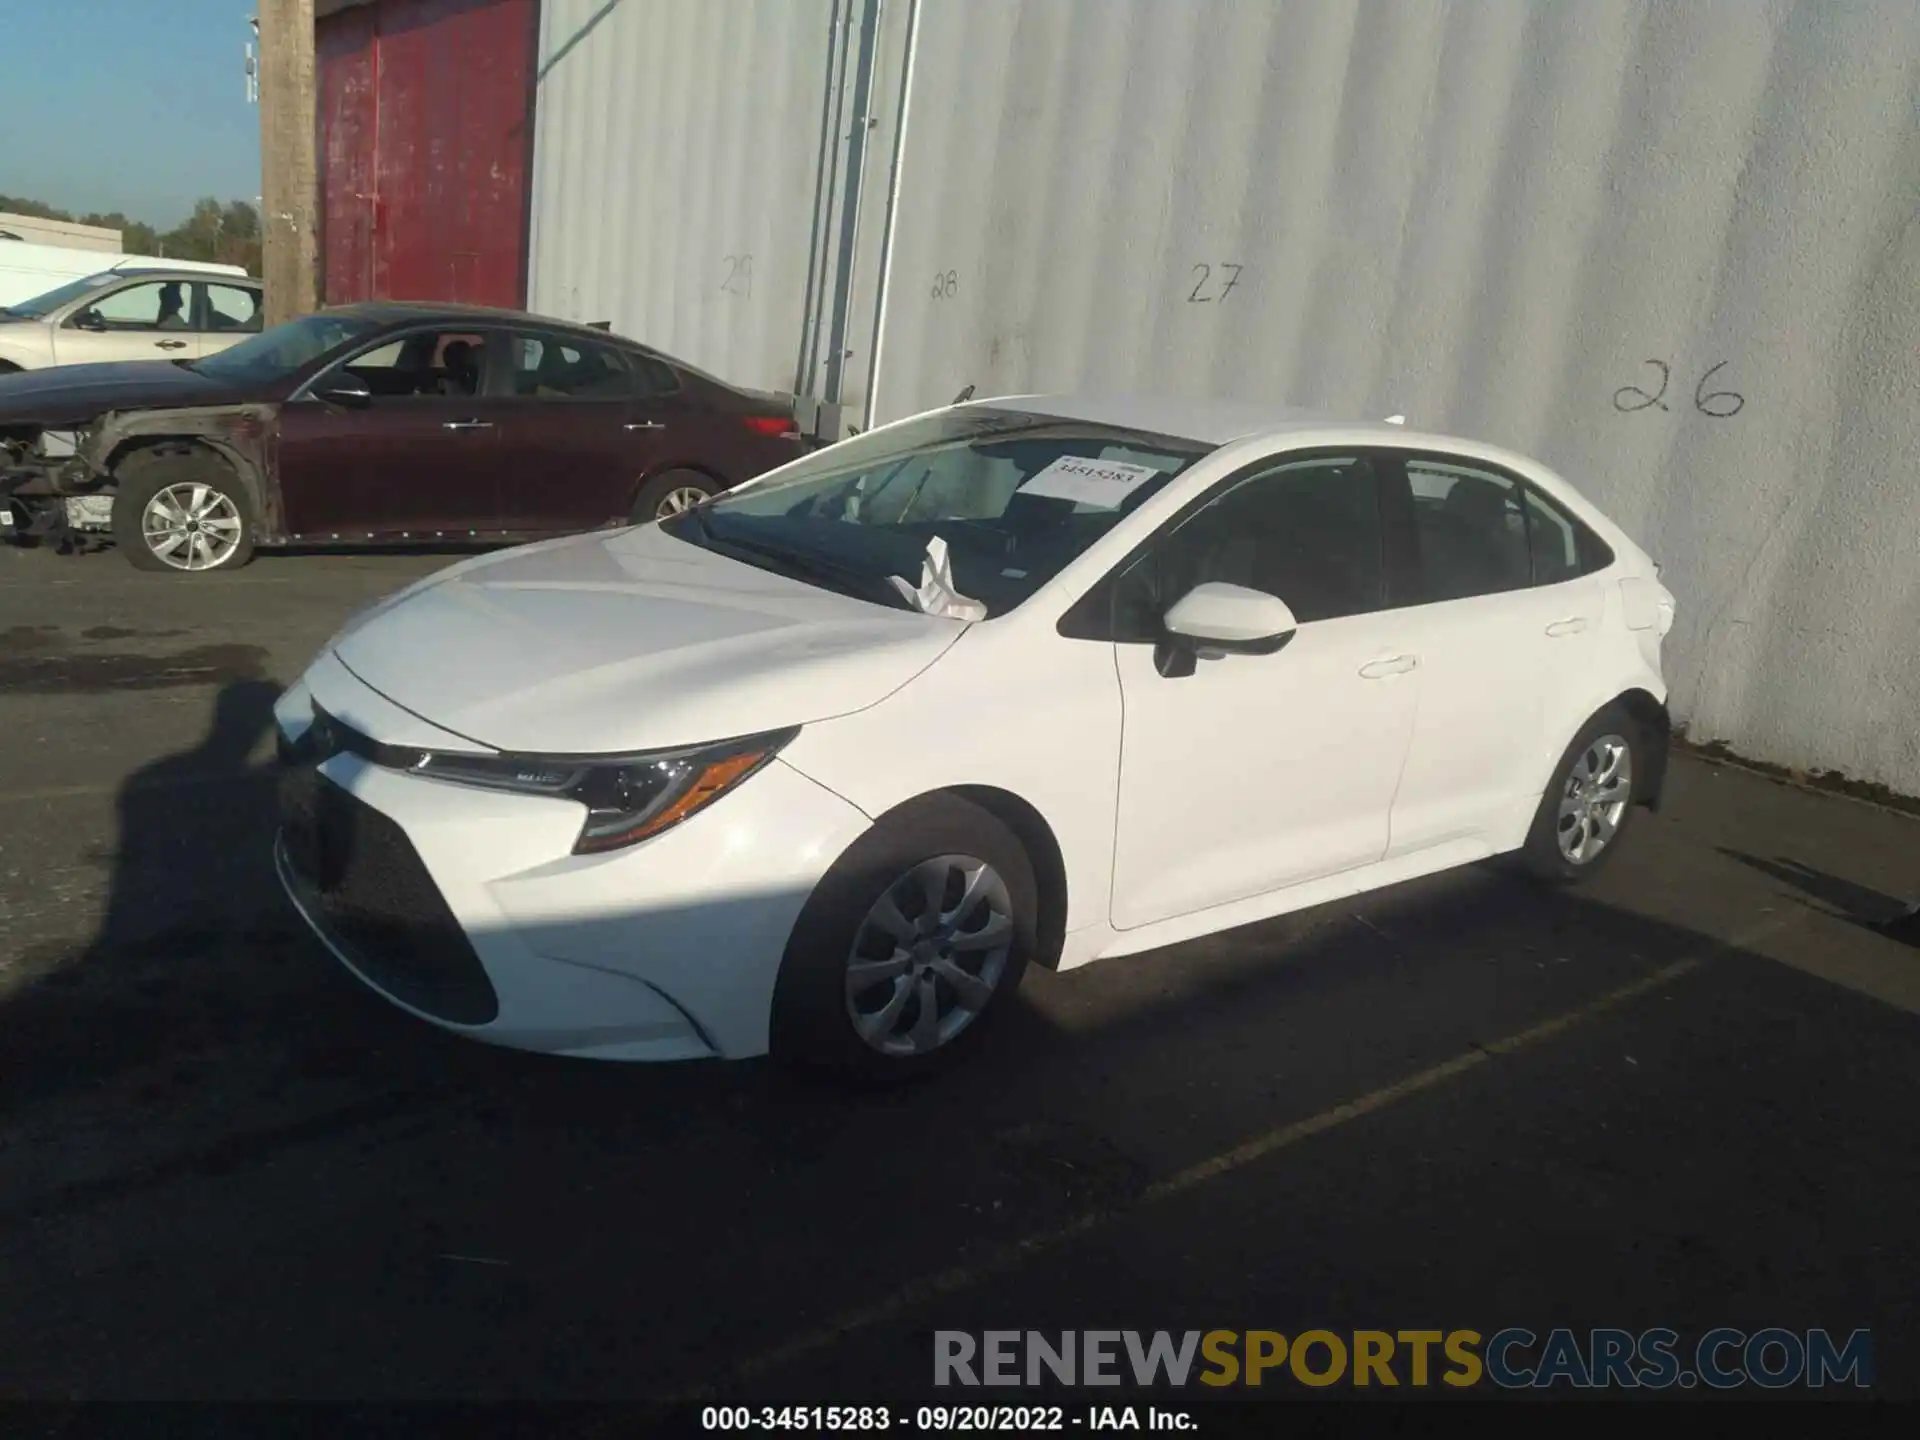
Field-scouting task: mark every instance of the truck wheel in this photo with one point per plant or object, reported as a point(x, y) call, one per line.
point(182, 511)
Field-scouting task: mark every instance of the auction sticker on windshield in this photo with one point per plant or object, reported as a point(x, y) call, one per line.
point(1103, 484)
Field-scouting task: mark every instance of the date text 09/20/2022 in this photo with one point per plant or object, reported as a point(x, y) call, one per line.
point(935, 1419)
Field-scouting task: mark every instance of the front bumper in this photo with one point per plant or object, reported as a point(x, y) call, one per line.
point(467, 908)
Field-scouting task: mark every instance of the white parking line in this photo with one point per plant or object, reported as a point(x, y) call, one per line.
point(966, 1277)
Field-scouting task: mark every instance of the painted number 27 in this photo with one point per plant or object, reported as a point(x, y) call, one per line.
point(1204, 276)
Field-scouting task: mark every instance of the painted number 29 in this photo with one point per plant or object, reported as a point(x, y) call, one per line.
point(1208, 287)
point(1716, 404)
point(739, 279)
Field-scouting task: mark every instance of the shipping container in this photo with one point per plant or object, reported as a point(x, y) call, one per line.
point(682, 168)
point(426, 126)
point(1671, 248)
point(1668, 245)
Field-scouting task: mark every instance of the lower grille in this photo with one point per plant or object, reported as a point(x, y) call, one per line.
point(364, 883)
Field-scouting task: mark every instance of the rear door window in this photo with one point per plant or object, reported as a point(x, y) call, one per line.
point(550, 367)
point(1471, 526)
point(232, 309)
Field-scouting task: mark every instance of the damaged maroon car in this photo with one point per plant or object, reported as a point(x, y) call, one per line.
point(376, 423)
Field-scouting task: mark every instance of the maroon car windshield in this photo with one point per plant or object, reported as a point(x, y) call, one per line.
point(285, 349)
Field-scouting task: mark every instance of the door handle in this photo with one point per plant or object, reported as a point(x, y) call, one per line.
point(467, 425)
point(1380, 669)
point(170, 344)
point(643, 425)
point(1567, 627)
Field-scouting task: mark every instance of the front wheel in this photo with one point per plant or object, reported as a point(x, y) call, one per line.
point(673, 493)
point(910, 946)
point(1589, 801)
point(184, 512)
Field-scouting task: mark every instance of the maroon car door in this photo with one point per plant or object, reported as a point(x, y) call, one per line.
point(576, 437)
point(400, 441)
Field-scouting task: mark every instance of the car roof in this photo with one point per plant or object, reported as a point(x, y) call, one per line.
point(1213, 422)
point(168, 272)
point(402, 312)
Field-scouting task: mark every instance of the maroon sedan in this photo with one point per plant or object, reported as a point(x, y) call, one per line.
point(377, 423)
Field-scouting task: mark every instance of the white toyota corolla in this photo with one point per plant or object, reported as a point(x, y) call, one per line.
point(822, 766)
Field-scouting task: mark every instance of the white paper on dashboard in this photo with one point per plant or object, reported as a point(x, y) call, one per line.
point(936, 594)
point(1103, 484)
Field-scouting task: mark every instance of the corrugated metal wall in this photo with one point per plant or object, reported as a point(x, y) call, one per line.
point(1671, 246)
point(1521, 219)
point(677, 163)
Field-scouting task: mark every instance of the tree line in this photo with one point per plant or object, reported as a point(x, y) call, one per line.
point(227, 234)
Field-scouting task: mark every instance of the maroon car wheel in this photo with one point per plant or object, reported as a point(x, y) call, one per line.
point(673, 493)
point(182, 511)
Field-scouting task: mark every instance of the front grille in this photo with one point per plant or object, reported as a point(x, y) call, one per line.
point(365, 885)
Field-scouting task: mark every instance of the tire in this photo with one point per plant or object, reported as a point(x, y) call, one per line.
point(1610, 744)
point(222, 536)
point(815, 1001)
point(655, 500)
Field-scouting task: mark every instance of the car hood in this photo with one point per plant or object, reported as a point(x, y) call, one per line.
point(75, 395)
point(632, 640)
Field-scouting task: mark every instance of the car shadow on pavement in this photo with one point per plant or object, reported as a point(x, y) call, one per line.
point(396, 1212)
point(138, 991)
point(1885, 914)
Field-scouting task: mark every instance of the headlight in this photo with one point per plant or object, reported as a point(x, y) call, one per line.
point(629, 798)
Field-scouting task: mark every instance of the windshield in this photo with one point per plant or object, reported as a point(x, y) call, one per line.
point(277, 353)
point(43, 305)
point(1014, 495)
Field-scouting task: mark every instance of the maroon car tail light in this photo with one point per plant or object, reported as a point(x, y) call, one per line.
point(779, 427)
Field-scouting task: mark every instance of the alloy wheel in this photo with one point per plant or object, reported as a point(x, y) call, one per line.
point(191, 526)
point(928, 958)
point(679, 501)
point(1594, 800)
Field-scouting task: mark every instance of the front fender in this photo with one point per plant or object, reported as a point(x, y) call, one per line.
point(239, 434)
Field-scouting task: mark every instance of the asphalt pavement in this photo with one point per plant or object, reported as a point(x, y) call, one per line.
point(1683, 1096)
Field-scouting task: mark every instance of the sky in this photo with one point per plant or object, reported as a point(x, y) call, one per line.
point(132, 105)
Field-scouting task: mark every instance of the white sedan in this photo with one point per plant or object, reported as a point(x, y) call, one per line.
point(820, 767)
point(131, 313)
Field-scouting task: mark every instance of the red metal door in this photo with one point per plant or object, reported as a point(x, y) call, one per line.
point(426, 110)
point(349, 120)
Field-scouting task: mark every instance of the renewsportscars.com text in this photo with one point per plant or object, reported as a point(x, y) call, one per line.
point(1513, 1358)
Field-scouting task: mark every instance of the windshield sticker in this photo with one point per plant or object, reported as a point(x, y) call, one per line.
point(1102, 484)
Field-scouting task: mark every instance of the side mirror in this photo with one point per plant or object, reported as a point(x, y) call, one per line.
point(89, 320)
point(346, 391)
point(1219, 616)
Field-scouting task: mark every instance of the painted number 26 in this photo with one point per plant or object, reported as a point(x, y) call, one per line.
point(1718, 404)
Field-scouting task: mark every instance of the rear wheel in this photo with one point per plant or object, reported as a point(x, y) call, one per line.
point(1590, 800)
point(673, 493)
point(183, 511)
point(910, 945)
